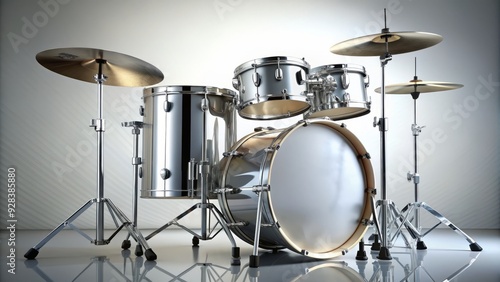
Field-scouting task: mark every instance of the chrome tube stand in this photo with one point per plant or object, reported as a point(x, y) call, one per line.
point(382, 123)
point(100, 201)
point(415, 206)
point(136, 161)
point(207, 208)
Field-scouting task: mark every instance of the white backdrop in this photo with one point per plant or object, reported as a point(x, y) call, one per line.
point(45, 116)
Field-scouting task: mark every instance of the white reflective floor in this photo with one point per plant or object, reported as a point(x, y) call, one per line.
point(70, 257)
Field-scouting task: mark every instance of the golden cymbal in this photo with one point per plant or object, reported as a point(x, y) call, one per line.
point(398, 43)
point(419, 86)
point(83, 64)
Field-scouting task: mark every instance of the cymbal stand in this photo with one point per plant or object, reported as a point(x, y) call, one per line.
point(415, 207)
point(136, 161)
point(382, 123)
point(100, 201)
point(203, 168)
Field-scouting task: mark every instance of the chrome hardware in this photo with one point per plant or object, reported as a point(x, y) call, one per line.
point(165, 173)
point(345, 79)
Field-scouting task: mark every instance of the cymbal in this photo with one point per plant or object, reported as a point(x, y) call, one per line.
point(83, 64)
point(419, 86)
point(398, 43)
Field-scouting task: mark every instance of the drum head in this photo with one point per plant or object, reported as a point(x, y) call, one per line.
point(318, 189)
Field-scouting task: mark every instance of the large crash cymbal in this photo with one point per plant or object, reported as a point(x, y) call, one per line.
point(83, 64)
point(419, 86)
point(398, 43)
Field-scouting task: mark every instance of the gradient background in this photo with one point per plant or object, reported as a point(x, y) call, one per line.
point(44, 116)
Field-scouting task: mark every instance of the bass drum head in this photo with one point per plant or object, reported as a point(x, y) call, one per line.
point(318, 200)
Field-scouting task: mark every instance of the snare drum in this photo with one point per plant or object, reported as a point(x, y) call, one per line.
point(338, 92)
point(271, 88)
point(176, 127)
point(319, 178)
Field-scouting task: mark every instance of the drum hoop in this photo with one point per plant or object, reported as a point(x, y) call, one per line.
point(328, 69)
point(188, 90)
point(270, 61)
point(369, 180)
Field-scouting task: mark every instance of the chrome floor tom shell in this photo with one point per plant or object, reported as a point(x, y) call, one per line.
point(180, 121)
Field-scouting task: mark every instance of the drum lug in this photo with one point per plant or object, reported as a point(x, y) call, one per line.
point(165, 173)
point(232, 153)
point(261, 188)
point(141, 111)
point(300, 76)
point(256, 78)
point(347, 97)
point(236, 83)
point(278, 74)
point(367, 81)
point(167, 106)
point(345, 79)
point(272, 149)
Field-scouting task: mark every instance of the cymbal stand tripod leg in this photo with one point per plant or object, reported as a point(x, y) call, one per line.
point(100, 201)
point(417, 204)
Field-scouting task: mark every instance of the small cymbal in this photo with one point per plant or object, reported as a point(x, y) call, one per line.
point(419, 86)
point(83, 64)
point(374, 45)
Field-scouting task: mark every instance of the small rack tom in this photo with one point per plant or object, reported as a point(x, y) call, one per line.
point(271, 88)
point(338, 92)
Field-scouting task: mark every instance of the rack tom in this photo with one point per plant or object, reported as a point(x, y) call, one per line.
point(338, 92)
point(271, 88)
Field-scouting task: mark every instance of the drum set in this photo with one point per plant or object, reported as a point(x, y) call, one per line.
point(309, 187)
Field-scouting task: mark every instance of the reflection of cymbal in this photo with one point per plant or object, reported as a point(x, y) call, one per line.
point(83, 64)
point(419, 86)
point(398, 42)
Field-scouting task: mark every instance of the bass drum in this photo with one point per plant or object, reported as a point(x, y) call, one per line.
point(319, 178)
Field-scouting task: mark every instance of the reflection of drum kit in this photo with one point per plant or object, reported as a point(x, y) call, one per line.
point(308, 187)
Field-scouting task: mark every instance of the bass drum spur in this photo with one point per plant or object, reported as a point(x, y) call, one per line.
point(318, 178)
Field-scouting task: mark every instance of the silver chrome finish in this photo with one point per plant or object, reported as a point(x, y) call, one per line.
point(173, 139)
point(415, 206)
point(117, 215)
point(313, 181)
point(271, 88)
point(338, 92)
